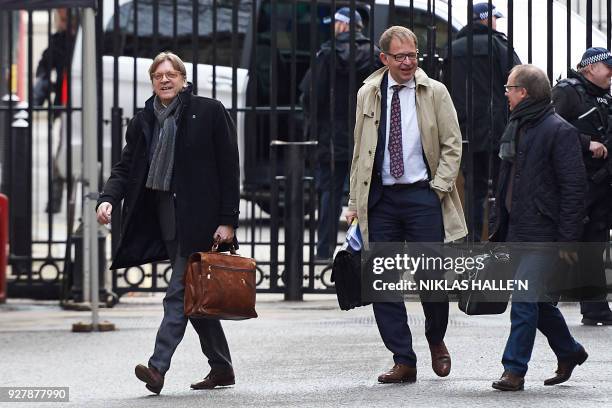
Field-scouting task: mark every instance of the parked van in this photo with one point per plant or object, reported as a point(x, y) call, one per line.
point(166, 24)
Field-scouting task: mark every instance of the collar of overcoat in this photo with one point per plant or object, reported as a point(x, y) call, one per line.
point(149, 115)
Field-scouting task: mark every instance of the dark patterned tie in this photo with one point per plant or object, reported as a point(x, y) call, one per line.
point(395, 135)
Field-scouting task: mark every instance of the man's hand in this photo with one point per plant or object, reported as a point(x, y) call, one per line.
point(569, 257)
point(103, 214)
point(224, 233)
point(598, 150)
point(350, 216)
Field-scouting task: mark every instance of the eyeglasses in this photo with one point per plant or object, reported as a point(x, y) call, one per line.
point(508, 87)
point(412, 56)
point(170, 75)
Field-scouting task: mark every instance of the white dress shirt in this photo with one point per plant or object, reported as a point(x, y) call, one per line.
point(412, 149)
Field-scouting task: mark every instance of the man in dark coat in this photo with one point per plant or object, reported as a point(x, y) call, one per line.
point(583, 99)
point(179, 181)
point(335, 134)
point(490, 116)
point(56, 59)
point(539, 200)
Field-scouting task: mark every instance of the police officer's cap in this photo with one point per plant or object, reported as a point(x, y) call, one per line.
point(596, 54)
point(344, 15)
point(481, 11)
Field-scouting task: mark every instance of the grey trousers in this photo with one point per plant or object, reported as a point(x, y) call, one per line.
point(173, 325)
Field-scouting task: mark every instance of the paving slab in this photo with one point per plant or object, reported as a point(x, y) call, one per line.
point(306, 354)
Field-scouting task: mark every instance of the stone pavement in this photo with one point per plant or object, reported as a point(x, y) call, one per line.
point(307, 354)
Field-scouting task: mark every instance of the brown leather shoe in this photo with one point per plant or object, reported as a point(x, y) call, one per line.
point(565, 368)
point(440, 359)
point(400, 373)
point(151, 377)
point(215, 378)
point(509, 382)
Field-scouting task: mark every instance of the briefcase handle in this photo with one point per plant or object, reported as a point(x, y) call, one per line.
point(215, 247)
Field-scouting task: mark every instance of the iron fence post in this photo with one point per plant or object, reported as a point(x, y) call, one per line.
point(294, 222)
point(293, 206)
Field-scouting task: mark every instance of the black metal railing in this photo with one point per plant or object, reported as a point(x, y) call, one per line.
point(251, 55)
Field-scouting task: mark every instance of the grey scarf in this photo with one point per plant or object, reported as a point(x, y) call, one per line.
point(162, 144)
point(527, 111)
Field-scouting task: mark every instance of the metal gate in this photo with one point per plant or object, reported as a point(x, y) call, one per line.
point(250, 54)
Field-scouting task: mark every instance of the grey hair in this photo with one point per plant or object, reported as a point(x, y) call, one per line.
point(175, 60)
point(533, 79)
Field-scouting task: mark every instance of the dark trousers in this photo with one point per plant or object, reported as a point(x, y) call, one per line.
point(329, 212)
point(528, 317)
point(476, 193)
point(590, 258)
point(407, 214)
point(173, 325)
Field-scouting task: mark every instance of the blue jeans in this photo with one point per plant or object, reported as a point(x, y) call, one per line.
point(528, 316)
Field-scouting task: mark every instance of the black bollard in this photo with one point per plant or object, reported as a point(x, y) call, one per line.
point(294, 221)
point(77, 270)
point(20, 186)
point(7, 106)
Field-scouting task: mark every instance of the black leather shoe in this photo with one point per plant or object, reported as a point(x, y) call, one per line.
point(509, 382)
point(603, 318)
point(151, 377)
point(215, 378)
point(565, 368)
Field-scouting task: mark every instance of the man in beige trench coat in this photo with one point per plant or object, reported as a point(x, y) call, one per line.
point(402, 186)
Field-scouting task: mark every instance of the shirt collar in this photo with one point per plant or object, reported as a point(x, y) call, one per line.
point(409, 84)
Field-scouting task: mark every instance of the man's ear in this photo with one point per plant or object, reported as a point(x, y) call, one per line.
point(588, 69)
point(383, 58)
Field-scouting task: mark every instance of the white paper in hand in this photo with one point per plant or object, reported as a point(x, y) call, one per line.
point(353, 236)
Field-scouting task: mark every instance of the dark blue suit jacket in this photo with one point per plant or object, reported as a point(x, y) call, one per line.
point(376, 181)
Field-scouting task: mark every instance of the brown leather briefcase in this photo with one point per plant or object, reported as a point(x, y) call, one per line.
point(220, 285)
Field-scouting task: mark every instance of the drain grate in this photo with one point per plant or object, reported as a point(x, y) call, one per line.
point(369, 321)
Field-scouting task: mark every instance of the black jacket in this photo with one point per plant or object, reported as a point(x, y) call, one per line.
point(56, 57)
point(575, 96)
point(548, 189)
point(365, 63)
point(483, 135)
point(206, 182)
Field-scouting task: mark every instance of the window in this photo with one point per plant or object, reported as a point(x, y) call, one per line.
point(422, 20)
point(142, 41)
